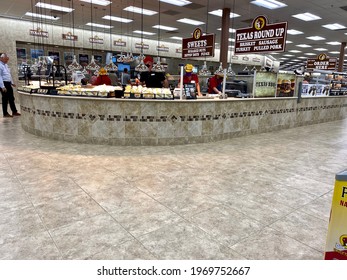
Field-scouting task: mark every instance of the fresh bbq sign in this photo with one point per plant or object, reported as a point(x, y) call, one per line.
point(261, 37)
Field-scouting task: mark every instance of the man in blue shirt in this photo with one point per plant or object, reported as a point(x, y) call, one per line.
point(6, 89)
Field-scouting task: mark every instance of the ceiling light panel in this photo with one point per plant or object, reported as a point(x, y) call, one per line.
point(163, 27)
point(231, 30)
point(307, 16)
point(294, 32)
point(99, 25)
point(190, 21)
point(303, 46)
point(41, 16)
point(53, 7)
point(177, 2)
point(97, 2)
point(144, 32)
point(315, 38)
point(295, 51)
point(334, 26)
point(334, 52)
point(219, 13)
point(269, 4)
point(335, 43)
point(176, 38)
point(140, 11)
point(320, 49)
point(119, 19)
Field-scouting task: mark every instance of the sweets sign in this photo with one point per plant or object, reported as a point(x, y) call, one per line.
point(261, 37)
point(198, 46)
point(321, 62)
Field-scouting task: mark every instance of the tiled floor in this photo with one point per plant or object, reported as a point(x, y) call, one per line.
point(265, 196)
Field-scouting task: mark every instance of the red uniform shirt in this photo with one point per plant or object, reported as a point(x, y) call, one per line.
point(215, 82)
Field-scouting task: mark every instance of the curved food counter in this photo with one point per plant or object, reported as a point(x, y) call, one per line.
point(117, 121)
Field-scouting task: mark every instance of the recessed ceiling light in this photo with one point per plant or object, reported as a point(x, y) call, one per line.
point(98, 2)
point(306, 16)
point(140, 11)
point(334, 52)
point(294, 32)
point(219, 13)
point(309, 53)
point(124, 20)
point(334, 26)
point(143, 32)
point(163, 27)
point(320, 49)
point(190, 21)
point(41, 16)
point(302, 57)
point(231, 30)
point(334, 43)
point(99, 25)
point(289, 55)
point(315, 38)
point(269, 4)
point(295, 51)
point(53, 7)
point(231, 40)
point(303, 46)
point(288, 42)
point(176, 2)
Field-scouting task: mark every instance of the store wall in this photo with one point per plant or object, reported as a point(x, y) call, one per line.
point(19, 31)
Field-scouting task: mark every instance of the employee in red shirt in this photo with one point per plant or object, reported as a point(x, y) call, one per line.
point(103, 78)
point(191, 78)
point(215, 84)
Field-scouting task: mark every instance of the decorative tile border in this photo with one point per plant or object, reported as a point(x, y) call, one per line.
point(174, 118)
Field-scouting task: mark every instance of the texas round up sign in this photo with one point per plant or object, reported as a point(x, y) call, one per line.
point(261, 37)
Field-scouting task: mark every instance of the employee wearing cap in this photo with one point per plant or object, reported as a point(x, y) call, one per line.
point(191, 78)
point(103, 78)
point(153, 79)
point(215, 84)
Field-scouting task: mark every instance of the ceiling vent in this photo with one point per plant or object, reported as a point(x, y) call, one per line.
point(194, 6)
point(171, 13)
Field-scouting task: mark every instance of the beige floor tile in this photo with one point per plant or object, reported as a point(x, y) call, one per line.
point(84, 239)
point(270, 244)
point(304, 228)
point(185, 241)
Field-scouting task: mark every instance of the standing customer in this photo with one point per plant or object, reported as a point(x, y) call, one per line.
point(6, 84)
point(125, 77)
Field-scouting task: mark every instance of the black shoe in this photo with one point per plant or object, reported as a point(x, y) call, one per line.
point(16, 114)
point(8, 116)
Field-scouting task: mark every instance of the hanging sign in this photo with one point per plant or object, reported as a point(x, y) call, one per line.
point(199, 45)
point(96, 40)
point(141, 46)
point(119, 43)
point(261, 37)
point(70, 37)
point(321, 62)
point(38, 33)
point(163, 48)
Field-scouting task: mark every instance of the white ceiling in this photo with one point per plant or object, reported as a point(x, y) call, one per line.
point(329, 10)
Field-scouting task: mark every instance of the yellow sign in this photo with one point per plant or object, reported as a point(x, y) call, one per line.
point(336, 246)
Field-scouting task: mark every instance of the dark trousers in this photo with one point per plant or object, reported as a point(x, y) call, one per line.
point(8, 97)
